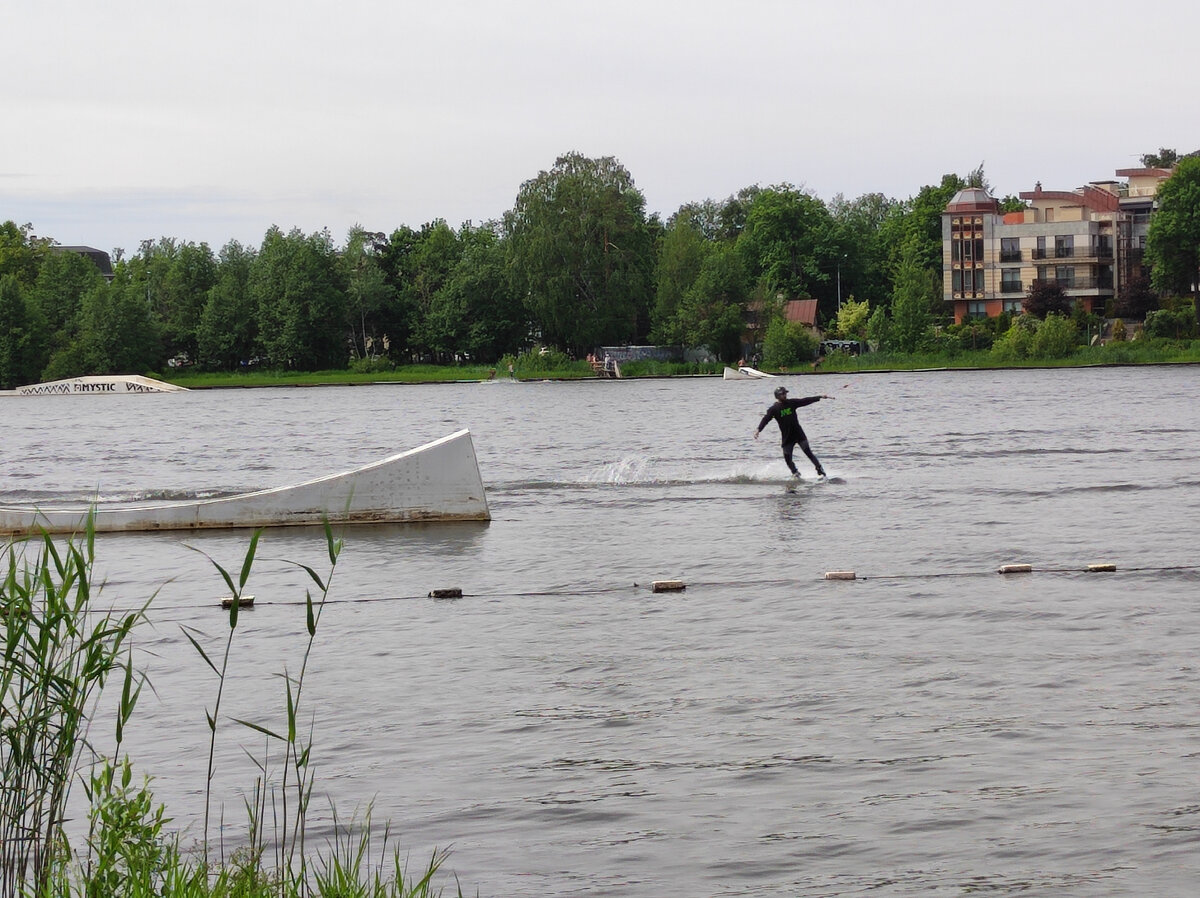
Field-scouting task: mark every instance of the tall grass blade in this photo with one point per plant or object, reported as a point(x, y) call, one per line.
point(248, 562)
point(259, 728)
point(199, 648)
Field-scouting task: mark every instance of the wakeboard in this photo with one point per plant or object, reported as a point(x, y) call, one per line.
point(793, 485)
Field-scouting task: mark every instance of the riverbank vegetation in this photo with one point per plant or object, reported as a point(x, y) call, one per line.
point(62, 652)
point(577, 263)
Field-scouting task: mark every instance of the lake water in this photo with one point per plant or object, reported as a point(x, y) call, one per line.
point(932, 727)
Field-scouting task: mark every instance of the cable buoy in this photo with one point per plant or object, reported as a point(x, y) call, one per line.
point(840, 575)
point(452, 592)
point(243, 602)
point(1015, 569)
point(668, 586)
point(1101, 568)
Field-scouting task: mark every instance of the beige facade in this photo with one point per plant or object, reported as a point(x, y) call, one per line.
point(1088, 241)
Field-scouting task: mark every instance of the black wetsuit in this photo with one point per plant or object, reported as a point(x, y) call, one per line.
point(784, 412)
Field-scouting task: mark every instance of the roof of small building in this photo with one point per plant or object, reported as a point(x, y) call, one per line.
point(801, 310)
point(1143, 172)
point(99, 257)
point(973, 199)
point(1089, 196)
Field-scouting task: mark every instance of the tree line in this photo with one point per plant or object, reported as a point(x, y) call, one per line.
point(576, 263)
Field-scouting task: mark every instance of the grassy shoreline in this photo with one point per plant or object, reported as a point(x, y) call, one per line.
point(1112, 355)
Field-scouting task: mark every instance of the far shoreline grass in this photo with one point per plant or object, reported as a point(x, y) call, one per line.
point(1111, 355)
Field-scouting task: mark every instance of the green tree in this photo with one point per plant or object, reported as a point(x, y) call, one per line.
point(789, 243)
point(680, 256)
point(922, 223)
point(186, 283)
point(852, 319)
point(1173, 244)
point(1164, 158)
point(861, 263)
point(475, 312)
point(117, 333)
point(1055, 338)
point(1175, 324)
point(227, 332)
point(1135, 299)
point(434, 256)
point(787, 343)
point(879, 329)
point(916, 288)
point(62, 280)
point(300, 302)
point(20, 350)
point(21, 253)
point(1046, 298)
point(1016, 343)
point(713, 309)
point(367, 291)
point(398, 318)
point(718, 221)
point(580, 252)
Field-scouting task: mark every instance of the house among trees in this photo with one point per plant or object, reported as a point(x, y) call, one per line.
point(1088, 241)
point(98, 256)
point(754, 320)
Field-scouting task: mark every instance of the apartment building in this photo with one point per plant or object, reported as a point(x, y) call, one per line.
point(1089, 241)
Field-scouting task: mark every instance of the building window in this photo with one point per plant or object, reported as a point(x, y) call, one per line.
point(956, 280)
point(1014, 306)
point(978, 249)
point(1064, 275)
point(1040, 252)
point(978, 280)
point(1064, 246)
point(977, 309)
point(1010, 280)
point(956, 251)
point(1010, 249)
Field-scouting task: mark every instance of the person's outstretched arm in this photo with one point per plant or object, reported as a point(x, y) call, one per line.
point(766, 419)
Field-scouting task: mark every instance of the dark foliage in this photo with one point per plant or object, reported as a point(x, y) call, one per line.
point(1046, 298)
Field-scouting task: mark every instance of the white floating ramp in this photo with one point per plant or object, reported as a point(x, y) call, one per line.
point(439, 481)
point(107, 385)
point(744, 373)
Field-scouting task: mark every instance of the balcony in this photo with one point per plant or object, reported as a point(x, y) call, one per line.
point(1085, 283)
point(1012, 287)
point(1010, 255)
point(1073, 252)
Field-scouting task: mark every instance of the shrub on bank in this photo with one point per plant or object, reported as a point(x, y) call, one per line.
point(541, 362)
point(1014, 345)
point(1177, 324)
point(1055, 338)
point(787, 343)
point(375, 365)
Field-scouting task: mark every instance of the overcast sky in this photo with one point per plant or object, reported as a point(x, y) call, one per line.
point(214, 119)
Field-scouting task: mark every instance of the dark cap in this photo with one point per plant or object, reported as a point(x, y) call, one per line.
point(780, 392)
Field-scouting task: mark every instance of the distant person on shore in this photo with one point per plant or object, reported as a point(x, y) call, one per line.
point(784, 413)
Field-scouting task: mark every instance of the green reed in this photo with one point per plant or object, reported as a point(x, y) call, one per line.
point(60, 653)
point(58, 656)
point(297, 783)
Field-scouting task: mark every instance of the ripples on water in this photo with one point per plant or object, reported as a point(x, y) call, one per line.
point(932, 728)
